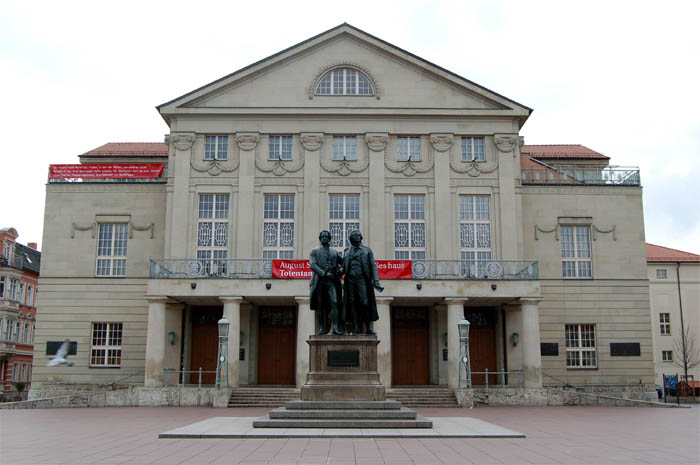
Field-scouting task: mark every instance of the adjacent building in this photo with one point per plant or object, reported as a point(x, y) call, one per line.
point(540, 247)
point(674, 288)
point(19, 275)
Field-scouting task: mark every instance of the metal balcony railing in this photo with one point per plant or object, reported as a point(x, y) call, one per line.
point(581, 176)
point(421, 269)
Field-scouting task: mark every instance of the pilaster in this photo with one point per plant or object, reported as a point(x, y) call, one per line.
point(375, 236)
point(312, 142)
point(507, 152)
point(247, 142)
point(444, 214)
point(178, 214)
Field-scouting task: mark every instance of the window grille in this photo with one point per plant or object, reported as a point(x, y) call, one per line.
point(580, 346)
point(472, 149)
point(280, 147)
point(345, 148)
point(111, 249)
point(106, 348)
point(213, 233)
point(344, 81)
point(343, 218)
point(409, 148)
point(576, 251)
point(409, 227)
point(216, 148)
point(278, 227)
point(474, 234)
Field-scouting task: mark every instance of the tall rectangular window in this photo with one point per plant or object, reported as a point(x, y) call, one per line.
point(216, 148)
point(111, 249)
point(278, 226)
point(15, 371)
point(344, 148)
point(472, 149)
point(30, 295)
point(474, 234)
point(12, 291)
point(409, 227)
point(576, 251)
point(106, 348)
point(409, 148)
point(343, 218)
point(25, 336)
point(212, 233)
point(3, 282)
point(665, 324)
point(280, 147)
point(580, 346)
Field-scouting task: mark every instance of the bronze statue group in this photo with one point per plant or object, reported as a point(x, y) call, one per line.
point(349, 301)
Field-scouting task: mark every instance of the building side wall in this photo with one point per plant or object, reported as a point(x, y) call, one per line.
point(664, 299)
point(615, 299)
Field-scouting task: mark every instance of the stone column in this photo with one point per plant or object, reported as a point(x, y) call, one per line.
point(305, 328)
point(247, 141)
point(514, 354)
point(383, 329)
point(376, 235)
point(312, 142)
point(455, 312)
point(530, 340)
point(177, 214)
point(155, 342)
point(232, 312)
point(444, 213)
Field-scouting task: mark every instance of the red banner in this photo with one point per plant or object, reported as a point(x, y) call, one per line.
point(113, 171)
point(291, 269)
point(300, 269)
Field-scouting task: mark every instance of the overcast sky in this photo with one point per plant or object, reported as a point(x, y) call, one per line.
point(621, 78)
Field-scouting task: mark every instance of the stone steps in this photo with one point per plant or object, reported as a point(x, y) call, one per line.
point(424, 397)
point(342, 414)
point(262, 397)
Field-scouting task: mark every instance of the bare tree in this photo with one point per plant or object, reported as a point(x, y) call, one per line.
point(686, 350)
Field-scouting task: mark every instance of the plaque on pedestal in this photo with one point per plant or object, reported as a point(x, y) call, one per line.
point(343, 368)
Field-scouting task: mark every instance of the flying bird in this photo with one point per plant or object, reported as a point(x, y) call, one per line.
point(61, 354)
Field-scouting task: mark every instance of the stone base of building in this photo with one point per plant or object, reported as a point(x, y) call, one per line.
point(604, 395)
point(343, 368)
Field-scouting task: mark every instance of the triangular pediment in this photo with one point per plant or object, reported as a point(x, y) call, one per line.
point(287, 81)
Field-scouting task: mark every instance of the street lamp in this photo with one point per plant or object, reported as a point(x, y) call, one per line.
point(464, 363)
point(222, 357)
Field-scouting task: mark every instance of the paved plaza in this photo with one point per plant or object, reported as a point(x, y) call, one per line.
point(571, 435)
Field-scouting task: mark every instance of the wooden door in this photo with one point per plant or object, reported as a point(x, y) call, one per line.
point(277, 345)
point(205, 343)
point(410, 352)
point(482, 344)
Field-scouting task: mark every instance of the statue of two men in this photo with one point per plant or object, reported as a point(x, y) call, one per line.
point(359, 305)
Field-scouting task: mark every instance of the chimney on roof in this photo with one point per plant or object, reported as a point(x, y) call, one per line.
point(32, 245)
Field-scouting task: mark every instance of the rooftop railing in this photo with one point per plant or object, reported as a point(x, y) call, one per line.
point(420, 269)
point(581, 176)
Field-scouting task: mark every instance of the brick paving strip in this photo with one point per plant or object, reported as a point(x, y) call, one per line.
point(571, 435)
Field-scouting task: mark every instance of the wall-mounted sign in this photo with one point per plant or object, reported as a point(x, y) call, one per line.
point(300, 269)
point(104, 170)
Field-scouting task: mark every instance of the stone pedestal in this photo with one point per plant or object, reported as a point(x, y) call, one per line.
point(343, 368)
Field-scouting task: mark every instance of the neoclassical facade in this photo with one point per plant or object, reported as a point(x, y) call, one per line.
point(541, 248)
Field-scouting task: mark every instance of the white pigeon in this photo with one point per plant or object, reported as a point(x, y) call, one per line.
point(61, 354)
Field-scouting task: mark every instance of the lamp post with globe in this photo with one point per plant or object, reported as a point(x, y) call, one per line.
point(464, 362)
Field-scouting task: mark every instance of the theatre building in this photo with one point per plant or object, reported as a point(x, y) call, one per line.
point(541, 248)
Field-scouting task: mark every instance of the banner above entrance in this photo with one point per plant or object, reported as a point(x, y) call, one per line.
point(300, 269)
point(112, 171)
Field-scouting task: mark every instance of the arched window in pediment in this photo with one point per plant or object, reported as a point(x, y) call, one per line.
point(344, 81)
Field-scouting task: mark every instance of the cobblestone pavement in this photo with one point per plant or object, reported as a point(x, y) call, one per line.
point(571, 435)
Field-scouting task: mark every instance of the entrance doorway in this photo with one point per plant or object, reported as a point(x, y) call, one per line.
point(205, 343)
point(410, 355)
point(482, 343)
point(277, 345)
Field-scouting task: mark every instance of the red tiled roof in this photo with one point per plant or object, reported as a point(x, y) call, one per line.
point(574, 151)
point(657, 253)
point(130, 149)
